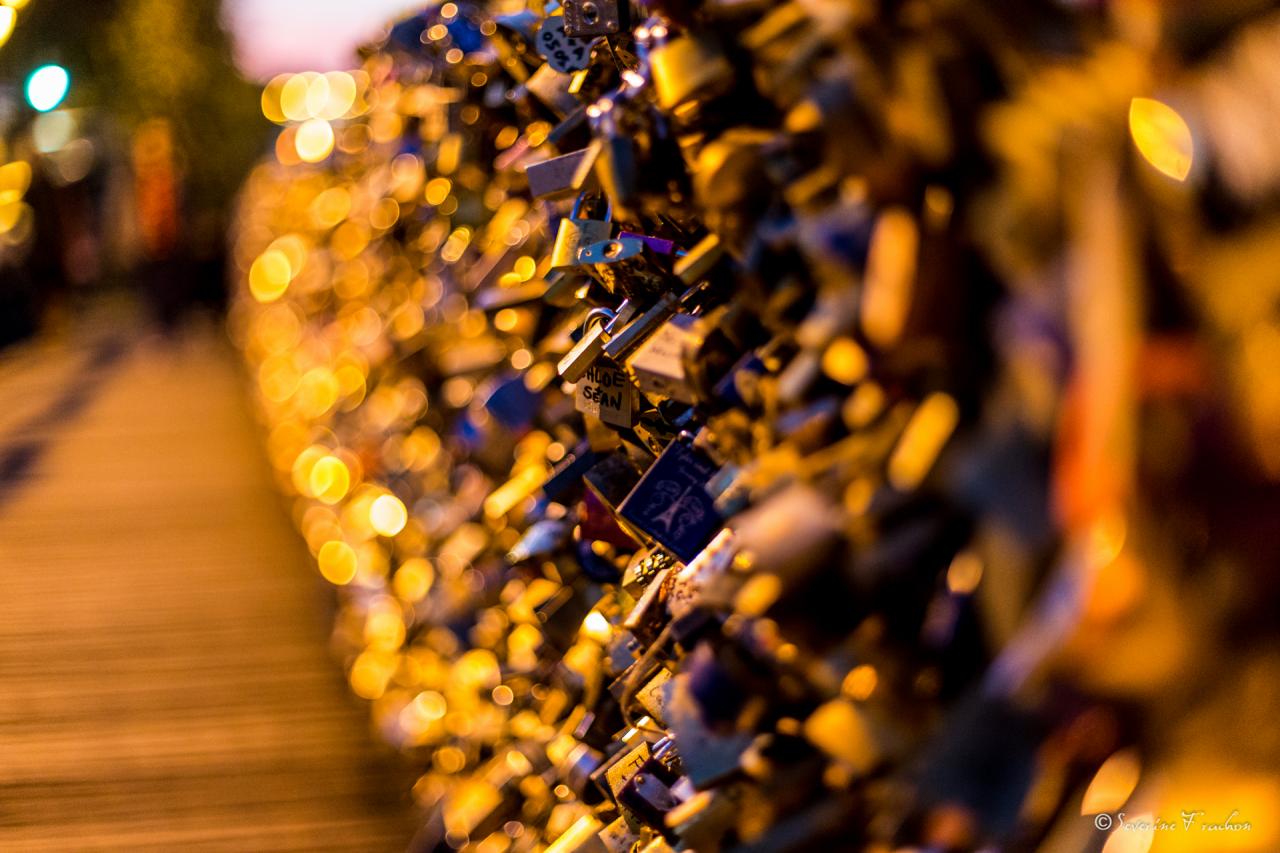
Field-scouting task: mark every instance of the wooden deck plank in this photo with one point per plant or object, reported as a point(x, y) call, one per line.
point(164, 676)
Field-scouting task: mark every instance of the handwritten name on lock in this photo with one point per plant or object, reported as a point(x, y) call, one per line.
point(605, 392)
point(671, 504)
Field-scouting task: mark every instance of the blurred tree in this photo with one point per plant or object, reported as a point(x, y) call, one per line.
point(138, 60)
point(175, 61)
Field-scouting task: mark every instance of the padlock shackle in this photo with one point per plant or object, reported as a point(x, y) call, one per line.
point(583, 196)
point(597, 315)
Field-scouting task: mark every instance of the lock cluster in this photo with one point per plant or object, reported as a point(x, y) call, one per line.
point(747, 426)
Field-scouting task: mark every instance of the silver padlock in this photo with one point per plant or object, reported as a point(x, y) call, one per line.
point(596, 329)
point(576, 233)
point(590, 18)
point(658, 363)
point(623, 340)
point(564, 176)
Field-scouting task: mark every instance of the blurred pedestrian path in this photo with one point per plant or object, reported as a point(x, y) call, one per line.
point(164, 677)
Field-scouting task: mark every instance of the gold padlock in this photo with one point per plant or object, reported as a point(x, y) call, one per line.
point(576, 233)
point(575, 363)
point(688, 67)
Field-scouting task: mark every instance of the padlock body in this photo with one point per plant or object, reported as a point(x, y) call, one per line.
point(686, 68)
point(591, 18)
point(573, 236)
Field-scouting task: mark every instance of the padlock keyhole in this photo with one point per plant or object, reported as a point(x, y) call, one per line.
point(590, 14)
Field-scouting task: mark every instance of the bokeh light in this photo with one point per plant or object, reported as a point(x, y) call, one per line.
point(1162, 137)
point(270, 275)
point(47, 86)
point(8, 20)
point(387, 515)
point(337, 561)
point(330, 479)
point(314, 141)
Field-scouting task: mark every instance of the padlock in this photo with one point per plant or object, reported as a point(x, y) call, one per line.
point(623, 767)
point(606, 392)
point(582, 837)
point(566, 479)
point(588, 348)
point(612, 478)
point(576, 233)
point(729, 173)
point(670, 504)
point(688, 356)
point(699, 261)
point(597, 523)
point(646, 795)
point(616, 166)
point(619, 836)
point(512, 403)
point(658, 363)
point(627, 266)
point(563, 176)
point(687, 68)
point(652, 694)
point(541, 541)
point(591, 18)
point(596, 330)
point(709, 754)
point(622, 341)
